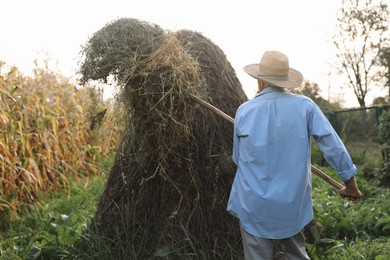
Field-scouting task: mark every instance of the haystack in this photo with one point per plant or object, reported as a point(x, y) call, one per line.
point(173, 171)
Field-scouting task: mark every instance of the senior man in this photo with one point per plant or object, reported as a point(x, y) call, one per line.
point(271, 192)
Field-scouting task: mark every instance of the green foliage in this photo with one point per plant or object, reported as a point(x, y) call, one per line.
point(347, 230)
point(312, 90)
point(384, 134)
point(380, 101)
point(357, 125)
point(56, 228)
point(50, 228)
point(345, 250)
point(384, 61)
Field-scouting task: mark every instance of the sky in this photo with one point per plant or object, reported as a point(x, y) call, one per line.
point(302, 29)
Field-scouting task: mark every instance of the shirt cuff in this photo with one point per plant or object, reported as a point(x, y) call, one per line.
point(348, 174)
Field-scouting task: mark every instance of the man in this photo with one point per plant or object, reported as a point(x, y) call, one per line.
point(271, 193)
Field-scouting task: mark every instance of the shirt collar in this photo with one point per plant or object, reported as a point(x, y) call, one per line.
point(269, 89)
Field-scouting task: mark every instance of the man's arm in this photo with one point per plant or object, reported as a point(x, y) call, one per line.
point(335, 153)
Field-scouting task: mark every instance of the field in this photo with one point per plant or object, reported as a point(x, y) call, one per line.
point(51, 184)
point(55, 227)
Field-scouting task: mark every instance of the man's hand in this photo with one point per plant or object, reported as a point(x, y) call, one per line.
point(351, 191)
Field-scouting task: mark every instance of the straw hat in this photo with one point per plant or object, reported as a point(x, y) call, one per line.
point(274, 69)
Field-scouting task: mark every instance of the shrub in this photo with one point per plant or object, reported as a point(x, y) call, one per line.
point(384, 135)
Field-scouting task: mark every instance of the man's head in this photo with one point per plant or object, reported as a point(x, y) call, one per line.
point(274, 70)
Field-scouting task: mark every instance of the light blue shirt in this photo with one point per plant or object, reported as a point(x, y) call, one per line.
point(271, 192)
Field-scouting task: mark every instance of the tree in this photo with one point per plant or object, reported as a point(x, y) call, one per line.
point(312, 90)
point(379, 101)
point(362, 32)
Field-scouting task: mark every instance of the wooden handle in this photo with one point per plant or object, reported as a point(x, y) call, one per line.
point(213, 109)
point(326, 177)
point(314, 169)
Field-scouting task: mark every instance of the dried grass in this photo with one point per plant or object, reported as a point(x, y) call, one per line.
point(173, 170)
point(44, 137)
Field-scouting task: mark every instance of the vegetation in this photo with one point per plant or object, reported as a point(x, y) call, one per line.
point(56, 227)
point(384, 133)
point(384, 61)
point(59, 225)
point(40, 141)
point(49, 211)
point(45, 137)
point(361, 36)
point(50, 228)
point(313, 91)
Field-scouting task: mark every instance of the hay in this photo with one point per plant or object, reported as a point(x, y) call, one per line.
point(173, 170)
point(111, 52)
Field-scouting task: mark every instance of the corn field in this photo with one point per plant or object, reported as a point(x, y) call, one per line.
point(45, 136)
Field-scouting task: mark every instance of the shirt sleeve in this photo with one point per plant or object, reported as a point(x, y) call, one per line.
point(331, 145)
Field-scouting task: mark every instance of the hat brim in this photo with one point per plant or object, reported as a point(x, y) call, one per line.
point(293, 80)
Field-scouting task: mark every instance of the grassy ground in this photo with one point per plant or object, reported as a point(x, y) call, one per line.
point(50, 228)
point(55, 227)
point(365, 152)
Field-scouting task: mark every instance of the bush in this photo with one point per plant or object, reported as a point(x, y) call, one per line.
point(51, 227)
point(384, 135)
point(345, 230)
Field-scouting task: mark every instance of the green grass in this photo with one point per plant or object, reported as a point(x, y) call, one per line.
point(51, 226)
point(363, 152)
point(348, 230)
point(55, 228)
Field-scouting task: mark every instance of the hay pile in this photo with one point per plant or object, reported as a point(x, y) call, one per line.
point(173, 171)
